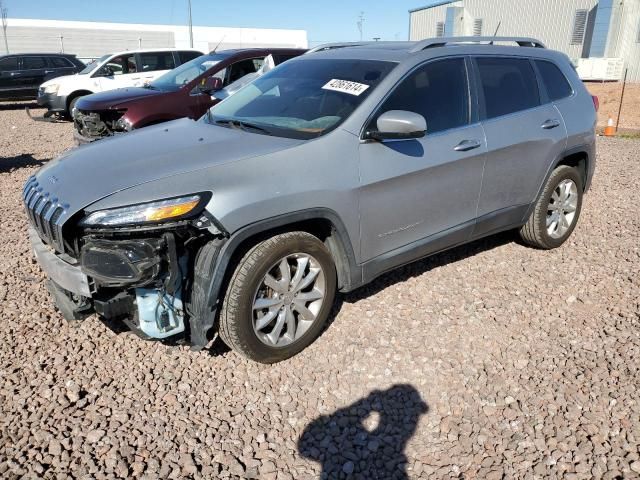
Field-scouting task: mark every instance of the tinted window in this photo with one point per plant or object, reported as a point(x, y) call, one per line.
point(60, 62)
point(437, 91)
point(554, 80)
point(509, 85)
point(8, 64)
point(187, 56)
point(278, 59)
point(33, 63)
point(303, 98)
point(157, 61)
point(187, 72)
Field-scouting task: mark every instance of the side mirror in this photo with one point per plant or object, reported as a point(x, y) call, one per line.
point(399, 125)
point(105, 71)
point(210, 84)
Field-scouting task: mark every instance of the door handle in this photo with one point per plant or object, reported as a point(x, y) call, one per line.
point(551, 123)
point(466, 145)
point(48, 71)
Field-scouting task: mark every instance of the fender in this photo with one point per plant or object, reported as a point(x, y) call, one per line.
point(588, 151)
point(214, 260)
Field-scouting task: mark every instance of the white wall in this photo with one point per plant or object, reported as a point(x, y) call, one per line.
point(92, 39)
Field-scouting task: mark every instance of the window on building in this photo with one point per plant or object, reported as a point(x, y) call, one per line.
point(554, 80)
point(579, 26)
point(440, 29)
point(508, 84)
point(477, 27)
point(437, 91)
point(154, 61)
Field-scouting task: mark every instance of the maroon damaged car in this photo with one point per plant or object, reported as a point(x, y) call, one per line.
point(185, 91)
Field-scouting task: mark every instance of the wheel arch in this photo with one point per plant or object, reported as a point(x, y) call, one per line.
point(76, 94)
point(577, 158)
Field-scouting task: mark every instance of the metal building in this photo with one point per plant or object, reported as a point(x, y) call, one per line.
point(92, 39)
point(602, 37)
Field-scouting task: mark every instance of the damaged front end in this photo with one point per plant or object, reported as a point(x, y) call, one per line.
point(91, 126)
point(135, 277)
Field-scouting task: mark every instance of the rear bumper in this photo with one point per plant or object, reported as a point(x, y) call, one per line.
point(53, 103)
point(67, 276)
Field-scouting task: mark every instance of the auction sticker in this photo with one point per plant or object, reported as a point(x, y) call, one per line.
point(345, 86)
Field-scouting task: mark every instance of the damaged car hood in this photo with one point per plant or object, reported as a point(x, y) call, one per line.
point(87, 174)
point(112, 98)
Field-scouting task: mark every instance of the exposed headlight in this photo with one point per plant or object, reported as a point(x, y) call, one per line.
point(145, 212)
point(53, 88)
point(123, 125)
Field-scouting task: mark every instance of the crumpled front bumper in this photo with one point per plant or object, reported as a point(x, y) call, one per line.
point(64, 274)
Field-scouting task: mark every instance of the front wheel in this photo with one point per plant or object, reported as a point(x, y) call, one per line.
point(556, 212)
point(279, 297)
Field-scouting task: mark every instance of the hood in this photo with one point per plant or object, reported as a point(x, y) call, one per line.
point(59, 79)
point(86, 174)
point(112, 98)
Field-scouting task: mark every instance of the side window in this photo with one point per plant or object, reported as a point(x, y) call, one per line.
point(33, 63)
point(154, 61)
point(9, 64)
point(438, 91)
point(121, 65)
point(244, 67)
point(60, 62)
point(509, 85)
point(188, 56)
point(278, 59)
point(554, 80)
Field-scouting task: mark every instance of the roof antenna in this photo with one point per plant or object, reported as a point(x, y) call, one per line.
point(221, 40)
point(496, 32)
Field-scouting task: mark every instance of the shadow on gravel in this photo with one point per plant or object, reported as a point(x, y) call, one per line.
point(18, 105)
point(366, 440)
point(419, 267)
point(9, 164)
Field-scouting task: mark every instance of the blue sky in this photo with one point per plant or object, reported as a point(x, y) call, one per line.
point(324, 20)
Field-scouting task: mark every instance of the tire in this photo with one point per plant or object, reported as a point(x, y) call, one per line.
point(536, 232)
point(72, 105)
point(246, 329)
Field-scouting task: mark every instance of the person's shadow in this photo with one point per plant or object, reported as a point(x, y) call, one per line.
point(365, 440)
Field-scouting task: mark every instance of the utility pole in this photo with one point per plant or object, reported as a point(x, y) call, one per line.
point(4, 13)
point(190, 26)
point(61, 44)
point(360, 24)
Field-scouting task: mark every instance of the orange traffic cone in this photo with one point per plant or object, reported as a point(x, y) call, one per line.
point(610, 130)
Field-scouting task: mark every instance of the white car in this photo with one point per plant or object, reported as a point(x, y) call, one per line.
point(132, 68)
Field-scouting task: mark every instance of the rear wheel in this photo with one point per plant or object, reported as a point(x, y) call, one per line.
point(556, 212)
point(278, 298)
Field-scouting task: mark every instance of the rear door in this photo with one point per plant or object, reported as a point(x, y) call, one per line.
point(59, 66)
point(524, 135)
point(153, 64)
point(33, 73)
point(9, 77)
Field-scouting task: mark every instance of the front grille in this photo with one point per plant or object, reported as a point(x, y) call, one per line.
point(44, 211)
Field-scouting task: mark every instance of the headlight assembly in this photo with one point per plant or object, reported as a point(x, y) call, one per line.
point(52, 89)
point(152, 212)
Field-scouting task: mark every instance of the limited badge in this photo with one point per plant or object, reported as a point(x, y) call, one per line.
point(345, 86)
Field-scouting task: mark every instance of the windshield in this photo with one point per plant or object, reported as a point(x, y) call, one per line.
point(302, 98)
point(91, 66)
point(186, 72)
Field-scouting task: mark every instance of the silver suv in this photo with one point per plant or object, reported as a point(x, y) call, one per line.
point(318, 177)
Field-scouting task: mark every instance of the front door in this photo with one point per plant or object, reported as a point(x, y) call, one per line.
point(34, 71)
point(416, 193)
point(119, 72)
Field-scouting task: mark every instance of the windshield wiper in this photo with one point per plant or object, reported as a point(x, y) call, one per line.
point(234, 123)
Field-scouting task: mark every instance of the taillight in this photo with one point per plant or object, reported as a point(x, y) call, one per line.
point(596, 102)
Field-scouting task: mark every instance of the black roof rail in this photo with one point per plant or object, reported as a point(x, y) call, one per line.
point(333, 46)
point(444, 41)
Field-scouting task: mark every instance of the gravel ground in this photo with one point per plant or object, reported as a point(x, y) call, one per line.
point(489, 361)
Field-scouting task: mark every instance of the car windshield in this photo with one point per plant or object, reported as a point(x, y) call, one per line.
point(301, 98)
point(186, 72)
point(91, 66)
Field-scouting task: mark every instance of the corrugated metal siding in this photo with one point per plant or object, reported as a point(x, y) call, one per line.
point(424, 22)
point(84, 42)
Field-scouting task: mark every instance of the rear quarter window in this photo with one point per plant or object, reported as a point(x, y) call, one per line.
point(508, 85)
point(60, 62)
point(556, 84)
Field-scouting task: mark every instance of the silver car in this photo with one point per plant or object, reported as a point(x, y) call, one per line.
point(323, 174)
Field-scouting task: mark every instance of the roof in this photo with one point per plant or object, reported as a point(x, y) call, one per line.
point(433, 5)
